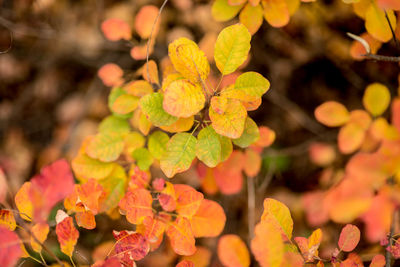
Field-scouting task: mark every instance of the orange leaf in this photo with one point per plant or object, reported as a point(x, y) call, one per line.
point(353, 260)
point(321, 154)
point(267, 137)
point(251, 17)
point(201, 258)
point(276, 12)
point(378, 261)
point(10, 250)
point(144, 21)
point(40, 231)
point(252, 162)
point(232, 251)
point(181, 237)
point(153, 229)
point(228, 174)
point(130, 247)
point(137, 205)
point(67, 234)
point(185, 263)
point(116, 29)
point(111, 74)
point(85, 219)
point(150, 73)
point(209, 220)
point(332, 114)
point(188, 200)
point(276, 213)
point(349, 238)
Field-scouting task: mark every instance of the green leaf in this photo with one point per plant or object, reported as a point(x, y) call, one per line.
point(250, 134)
point(208, 148)
point(105, 146)
point(180, 152)
point(143, 158)
point(253, 84)
point(222, 11)
point(114, 94)
point(152, 107)
point(232, 48)
point(157, 144)
point(114, 124)
point(226, 147)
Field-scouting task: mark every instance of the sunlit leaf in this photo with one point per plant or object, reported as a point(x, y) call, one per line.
point(138, 88)
point(250, 134)
point(376, 99)
point(114, 188)
point(208, 147)
point(105, 146)
point(152, 107)
point(86, 167)
point(157, 144)
point(251, 17)
point(150, 72)
point(350, 138)
point(143, 158)
point(279, 215)
point(209, 220)
point(181, 237)
point(252, 84)
point(267, 245)
point(378, 261)
point(276, 12)
point(349, 238)
point(222, 11)
point(7, 219)
point(189, 60)
point(232, 48)
point(332, 114)
point(137, 205)
point(144, 21)
point(188, 200)
point(179, 154)
point(376, 23)
point(185, 263)
point(40, 231)
point(267, 137)
point(23, 201)
point(130, 247)
point(183, 98)
point(232, 251)
point(181, 125)
point(226, 147)
point(232, 122)
point(125, 104)
point(219, 104)
point(116, 29)
point(114, 124)
point(67, 234)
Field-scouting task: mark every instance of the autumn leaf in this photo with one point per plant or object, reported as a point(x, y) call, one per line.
point(250, 134)
point(350, 138)
point(232, 122)
point(150, 72)
point(278, 215)
point(183, 98)
point(181, 125)
point(232, 48)
point(138, 88)
point(144, 21)
point(7, 219)
point(267, 245)
point(189, 60)
point(232, 251)
point(86, 167)
point(208, 147)
point(185, 263)
point(111, 74)
point(157, 144)
point(40, 231)
point(349, 238)
point(130, 247)
point(228, 174)
point(376, 23)
point(249, 86)
point(188, 200)
point(10, 250)
point(114, 124)
point(116, 29)
point(67, 234)
point(152, 107)
point(152, 228)
point(252, 162)
point(179, 154)
point(105, 147)
point(125, 104)
point(376, 98)
point(209, 220)
point(181, 236)
point(137, 205)
point(222, 11)
point(378, 261)
point(251, 17)
point(332, 114)
point(276, 12)
point(143, 158)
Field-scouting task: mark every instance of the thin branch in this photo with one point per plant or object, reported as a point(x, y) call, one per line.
point(382, 58)
point(150, 38)
point(251, 205)
point(388, 254)
point(391, 29)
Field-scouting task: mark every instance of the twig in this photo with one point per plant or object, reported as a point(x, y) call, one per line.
point(391, 29)
point(151, 36)
point(251, 205)
point(388, 254)
point(382, 58)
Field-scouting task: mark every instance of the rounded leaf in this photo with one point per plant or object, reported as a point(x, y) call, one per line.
point(332, 114)
point(152, 107)
point(232, 251)
point(157, 144)
point(222, 11)
point(105, 146)
point(376, 23)
point(349, 238)
point(278, 214)
point(252, 84)
point(250, 134)
point(251, 17)
point(208, 147)
point(181, 236)
point(232, 48)
point(209, 220)
point(376, 99)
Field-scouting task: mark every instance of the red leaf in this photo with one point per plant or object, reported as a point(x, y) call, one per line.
point(349, 238)
point(10, 247)
point(185, 263)
point(130, 247)
point(67, 234)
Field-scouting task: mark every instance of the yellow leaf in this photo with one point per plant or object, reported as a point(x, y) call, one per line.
point(7, 219)
point(376, 23)
point(232, 48)
point(189, 60)
point(222, 11)
point(276, 12)
point(85, 167)
point(152, 107)
point(219, 104)
point(181, 125)
point(40, 231)
point(138, 88)
point(231, 122)
point(376, 98)
point(179, 154)
point(251, 17)
point(150, 73)
point(105, 147)
point(23, 201)
point(279, 215)
point(171, 78)
point(183, 98)
point(125, 104)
